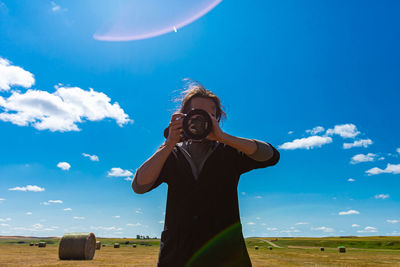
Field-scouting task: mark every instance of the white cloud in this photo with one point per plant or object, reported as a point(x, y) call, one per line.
point(301, 223)
point(393, 221)
point(360, 143)
point(390, 168)
point(117, 216)
point(57, 8)
point(348, 130)
point(382, 196)
point(2, 199)
point(13, 76)
point(243, 193)
point(52, 202)
point(139, 211)
point(307, 143)
point(67, 209)
point(350, 180)
point(251, 223)
point(349, 212)
point(290, 132)
point(28, 213)
point(128, 179)
point(32, 188)
point(5, 220)
point(316, 130)
point(398, 150)
point(368, 229)
point(362, 158)
point(118, 172)
point(323, 228)
point(92, 157)
point(161, 222)
point(355, 225)
point(258, 197)
point(136, 224)
point(61, 110)
point(79, 218)
point(65, 166)
point(272, 229)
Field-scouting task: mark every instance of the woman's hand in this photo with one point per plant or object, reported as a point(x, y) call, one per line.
point(216, 133)
point(175, 129)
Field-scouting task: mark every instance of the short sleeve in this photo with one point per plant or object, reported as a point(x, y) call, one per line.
point(162, 178)
point(244, 163)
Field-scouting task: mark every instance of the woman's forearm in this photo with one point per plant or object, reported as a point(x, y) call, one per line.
point(247, 146)
point(151, 168)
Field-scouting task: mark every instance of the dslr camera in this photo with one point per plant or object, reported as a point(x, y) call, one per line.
point(197, 125)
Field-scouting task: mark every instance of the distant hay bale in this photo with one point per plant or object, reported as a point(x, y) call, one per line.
point(77, 246)
point(134, 245)
point(31, 244)
point(103, 245)
point(42, 244)
point(342, 249)
point(116, 245)
point(36, 244)
point(322, 249)
point(256, 247)
point(98, 244)
point(270, 248)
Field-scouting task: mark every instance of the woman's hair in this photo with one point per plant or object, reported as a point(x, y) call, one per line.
point(196, 89)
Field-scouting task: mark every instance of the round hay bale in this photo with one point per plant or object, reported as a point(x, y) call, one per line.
point(31, 244)
point(270, 248)
point(256, 247)
point(322, 249)
point(103, 245)
point(134, 245)
point(36, 244)
point(42, 244)
point(77, 246)
point(342, 249)
point(116, 245)
point(98, 244)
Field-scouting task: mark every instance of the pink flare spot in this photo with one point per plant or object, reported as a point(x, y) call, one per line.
point(136, 20)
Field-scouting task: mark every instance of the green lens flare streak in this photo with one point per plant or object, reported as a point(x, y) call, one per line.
point(224, 237)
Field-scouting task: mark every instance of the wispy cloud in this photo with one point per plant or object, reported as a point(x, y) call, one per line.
point(13, 76)
point(65, 166)
point(52, 202)
point(128, 179)
point(5, 220)
point(323, 229)
point(57, 8)
point(382, 196)
point(105, 228)
point(118, 172)
point(390, 168)
point(251, 223)
point(272, 229)
point(92, 157)
point(31, 188)
point(301, 223)
point(61, 110)
point(348, 130)
point(368, 229)
point(359, 143)
point(349, 212)
point(133, 224)
point(67, 209)
point(315, 130)
point(78, 218)
point(29, 213)
point(117, 216)
point(355, 225)
point(393, 221)
point(362, 158)
point(351, 180)
point(139, 211)
point(306, 143)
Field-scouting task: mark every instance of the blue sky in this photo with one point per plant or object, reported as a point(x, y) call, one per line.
point(319, 80)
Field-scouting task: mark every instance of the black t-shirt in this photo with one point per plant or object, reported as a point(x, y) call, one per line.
point(202, 223)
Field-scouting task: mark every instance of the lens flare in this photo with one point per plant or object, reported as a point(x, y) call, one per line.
point(138, 19)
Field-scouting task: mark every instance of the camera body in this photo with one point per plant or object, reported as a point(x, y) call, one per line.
point(197, 124)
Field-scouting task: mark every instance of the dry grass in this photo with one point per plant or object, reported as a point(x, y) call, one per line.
point(24, 255)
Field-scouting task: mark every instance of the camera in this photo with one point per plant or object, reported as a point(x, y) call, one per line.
point(197, 125)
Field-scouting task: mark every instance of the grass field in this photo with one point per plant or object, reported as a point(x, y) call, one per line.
point(372, 251)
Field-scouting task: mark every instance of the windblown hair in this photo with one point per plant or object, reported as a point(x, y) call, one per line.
point(196, 89)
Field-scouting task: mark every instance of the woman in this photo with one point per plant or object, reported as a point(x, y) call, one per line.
point(202, 223)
